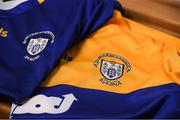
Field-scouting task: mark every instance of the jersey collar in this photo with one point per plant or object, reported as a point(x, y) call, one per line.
point(23, 6)
point(40, 1)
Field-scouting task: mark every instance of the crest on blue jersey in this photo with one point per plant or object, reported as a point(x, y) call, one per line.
point(36, 43)
point(111, 70)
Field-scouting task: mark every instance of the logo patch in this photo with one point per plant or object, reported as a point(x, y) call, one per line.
point(36, 43)
point(41, 104)
point(35, 46)
point(111, 71)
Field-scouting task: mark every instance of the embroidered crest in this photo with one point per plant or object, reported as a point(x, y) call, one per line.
point(36, 43)
point(35, 46)
point(112, 71)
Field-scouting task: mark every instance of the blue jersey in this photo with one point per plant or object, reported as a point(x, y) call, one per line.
point(34, 35)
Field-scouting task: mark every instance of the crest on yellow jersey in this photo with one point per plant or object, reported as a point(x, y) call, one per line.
point(112, 71)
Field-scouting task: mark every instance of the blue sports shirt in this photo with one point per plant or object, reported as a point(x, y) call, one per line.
point(34, 36)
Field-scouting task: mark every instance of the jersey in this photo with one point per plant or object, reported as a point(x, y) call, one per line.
point(123, 70)
point(34, 35)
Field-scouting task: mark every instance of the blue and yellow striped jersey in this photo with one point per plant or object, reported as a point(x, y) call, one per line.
point(123, 70)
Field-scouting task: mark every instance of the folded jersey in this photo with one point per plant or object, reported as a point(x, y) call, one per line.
point(34, 36)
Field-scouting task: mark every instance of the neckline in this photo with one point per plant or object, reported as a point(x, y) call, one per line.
point(21, 8)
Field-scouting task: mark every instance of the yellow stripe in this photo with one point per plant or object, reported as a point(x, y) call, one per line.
point(154, 57)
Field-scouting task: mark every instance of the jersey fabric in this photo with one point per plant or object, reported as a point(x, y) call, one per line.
point(34, 36)
point(123, 70)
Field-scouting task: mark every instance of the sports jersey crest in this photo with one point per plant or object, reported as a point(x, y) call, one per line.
point(36, 43)
point(35, 46)
point(111, 70)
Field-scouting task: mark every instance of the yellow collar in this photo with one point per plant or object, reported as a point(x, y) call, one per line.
point(40, 1)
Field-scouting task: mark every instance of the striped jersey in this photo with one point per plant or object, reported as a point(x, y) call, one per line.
point(122, 70)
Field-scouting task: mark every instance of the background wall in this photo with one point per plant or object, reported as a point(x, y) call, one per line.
point(163, 15)
point(5, 107)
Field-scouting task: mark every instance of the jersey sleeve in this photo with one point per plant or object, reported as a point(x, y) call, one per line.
point(96, 14)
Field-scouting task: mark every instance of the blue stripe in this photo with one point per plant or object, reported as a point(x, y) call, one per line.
point(156, 102)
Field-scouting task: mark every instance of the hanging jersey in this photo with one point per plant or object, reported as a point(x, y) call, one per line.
point(123, 70)
point(34, 36)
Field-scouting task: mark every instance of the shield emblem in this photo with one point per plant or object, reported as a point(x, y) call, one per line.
point(37, 45)
point(111, 70)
